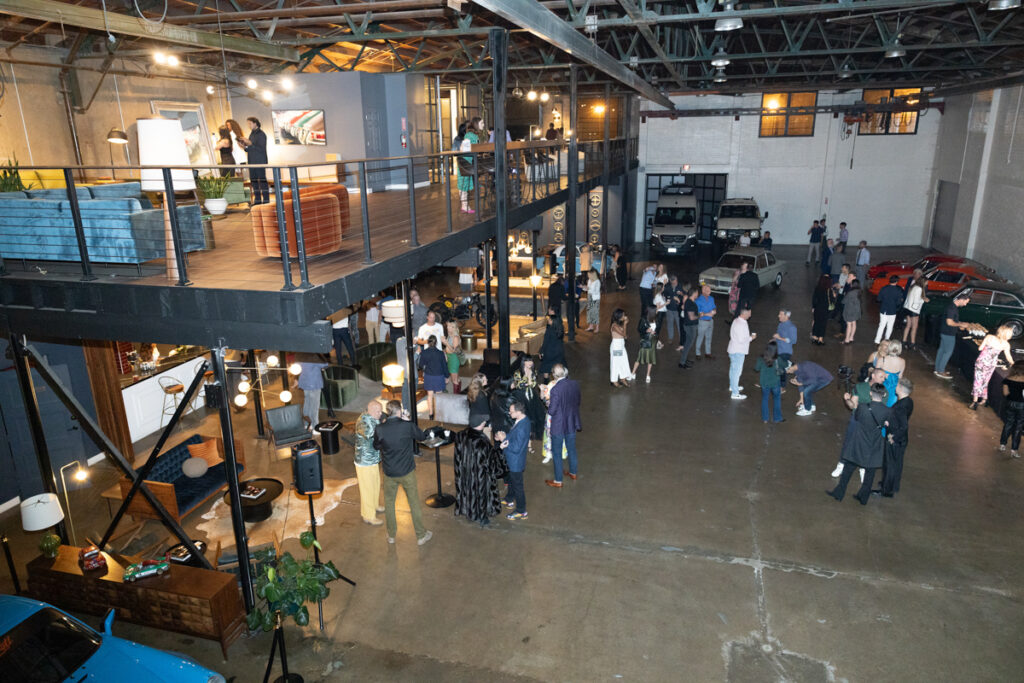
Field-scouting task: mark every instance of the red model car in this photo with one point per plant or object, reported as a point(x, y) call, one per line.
point(944, 277)
point(887, 268)
point(91, 558)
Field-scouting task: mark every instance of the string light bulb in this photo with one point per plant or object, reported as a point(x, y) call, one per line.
point(241, 400)
point(285, 396)
point(273, 361)
point(295, 369)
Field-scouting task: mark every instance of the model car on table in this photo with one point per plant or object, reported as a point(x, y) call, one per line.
point(39, 642)
point(141, 570)
point(91, 558)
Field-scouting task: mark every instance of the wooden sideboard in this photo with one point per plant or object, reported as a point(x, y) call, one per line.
point(197, 602)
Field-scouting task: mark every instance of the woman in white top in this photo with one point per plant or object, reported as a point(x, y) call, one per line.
point(912, 308)
point(662, 276)
point(620, 374)
point(593, 301)
point(661, 305)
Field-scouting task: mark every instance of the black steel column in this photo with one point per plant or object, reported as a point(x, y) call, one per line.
point(573, 176)
point(487, 291)
point(76, 218)
point(606, 172)
point(498, 39)
point(257, 396)
point(625, 233)
point(23, 370)
point(228, 434)
point(410, 354)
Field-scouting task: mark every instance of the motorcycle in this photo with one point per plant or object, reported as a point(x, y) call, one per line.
point(463, 308)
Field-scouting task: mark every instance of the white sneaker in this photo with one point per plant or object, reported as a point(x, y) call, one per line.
point(546, 460)
point(660, 346)
point(861, 471)
point(740, 388)
point(648, 379)
point(803, 413)
point(814, 408)
point(838, 470)
point(1002, 447)
point(738, 397)
point(426, 537)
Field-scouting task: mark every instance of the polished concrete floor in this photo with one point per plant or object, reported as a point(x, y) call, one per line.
point(697, 544)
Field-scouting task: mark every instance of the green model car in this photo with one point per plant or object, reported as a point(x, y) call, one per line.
point(141, 570)
point(992, 304)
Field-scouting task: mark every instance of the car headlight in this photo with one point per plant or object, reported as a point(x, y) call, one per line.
point(722, 233)
point(215, 678)
point(755, 233)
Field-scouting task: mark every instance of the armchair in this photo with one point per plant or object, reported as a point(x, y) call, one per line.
point(287, 424)
point(341, 384)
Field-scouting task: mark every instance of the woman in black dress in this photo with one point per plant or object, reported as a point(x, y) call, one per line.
point(476, 396)
point(819, 309)
point(224, 145)
point(479, 464)
point(526, 391)
point(552, 350)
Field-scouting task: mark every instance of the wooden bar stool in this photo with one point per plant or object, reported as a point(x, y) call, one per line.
point(207, 379)
point(173, 389)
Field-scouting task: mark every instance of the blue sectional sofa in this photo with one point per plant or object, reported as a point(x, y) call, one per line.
point(178, 493)
point(121, 226)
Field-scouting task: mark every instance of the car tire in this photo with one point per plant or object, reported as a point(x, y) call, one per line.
point(1016, 325)
point(778, 281)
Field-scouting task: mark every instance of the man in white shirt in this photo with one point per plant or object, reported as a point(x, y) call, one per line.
point(373, 323)
point(431, 327)
point(863, 261)
point(740, 337)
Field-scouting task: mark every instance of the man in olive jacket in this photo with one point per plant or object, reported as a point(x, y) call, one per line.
point(395, 438)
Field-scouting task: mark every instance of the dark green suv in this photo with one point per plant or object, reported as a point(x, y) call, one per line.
point(992, 304)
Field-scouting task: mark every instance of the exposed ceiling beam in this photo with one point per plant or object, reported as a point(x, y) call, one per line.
point(339, 17)
point(296, 12)
point(547, 26)
point(634, 13)
point(96, 20)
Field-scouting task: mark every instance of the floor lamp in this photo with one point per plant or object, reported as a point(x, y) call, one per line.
point(162, 143)
point(81, 474)
point(116, 136)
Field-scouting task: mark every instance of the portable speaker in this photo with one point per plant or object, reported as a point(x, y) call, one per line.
point(307, 467)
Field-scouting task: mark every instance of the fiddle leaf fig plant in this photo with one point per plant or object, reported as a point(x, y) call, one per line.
point(287, 584)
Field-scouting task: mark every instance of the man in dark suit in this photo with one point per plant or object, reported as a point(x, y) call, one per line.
point(394, 439)
point(564, 409)
point(256, 153)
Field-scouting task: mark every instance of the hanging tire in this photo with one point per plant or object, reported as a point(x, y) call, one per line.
point(778, 281)
point(481, 319)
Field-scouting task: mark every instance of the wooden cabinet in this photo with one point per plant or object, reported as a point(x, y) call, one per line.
point(197, 602)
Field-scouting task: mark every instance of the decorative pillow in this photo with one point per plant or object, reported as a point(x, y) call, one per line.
point(207, 450)
point(194, 467)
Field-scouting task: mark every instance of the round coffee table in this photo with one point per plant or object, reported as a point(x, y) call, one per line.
point(258, 509)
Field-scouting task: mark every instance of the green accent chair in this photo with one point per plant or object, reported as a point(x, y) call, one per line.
point(373, 357)
point(341, 383)
point(236, 192)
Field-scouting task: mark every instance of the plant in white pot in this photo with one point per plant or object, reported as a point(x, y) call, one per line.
point(213, 189)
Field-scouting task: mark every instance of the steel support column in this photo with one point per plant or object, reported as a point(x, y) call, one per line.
point(487, 292)
point(606, 171)
point(626, 234)
point(23, 370)
point(572, 174)
point(412, 377)
point(498, 40)
point(257, 397)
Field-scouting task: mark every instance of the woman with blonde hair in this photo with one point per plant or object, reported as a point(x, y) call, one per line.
point(988, 358)
point(453, 353)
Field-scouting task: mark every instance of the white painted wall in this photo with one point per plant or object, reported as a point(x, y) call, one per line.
point(885, 197)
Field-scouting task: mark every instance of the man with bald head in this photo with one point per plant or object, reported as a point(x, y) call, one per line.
point(367, 459)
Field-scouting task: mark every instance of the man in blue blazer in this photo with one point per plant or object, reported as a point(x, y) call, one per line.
point(515, 444)
point(564, 409)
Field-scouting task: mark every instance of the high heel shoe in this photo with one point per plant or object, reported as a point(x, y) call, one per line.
point(973, 406)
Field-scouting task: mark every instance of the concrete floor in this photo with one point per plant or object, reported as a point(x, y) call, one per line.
point(697, 544)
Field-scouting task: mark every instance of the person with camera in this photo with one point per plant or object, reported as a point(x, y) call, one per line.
point(395, 439)
point(864, 445)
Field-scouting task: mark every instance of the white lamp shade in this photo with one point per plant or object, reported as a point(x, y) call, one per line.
point(40, 512)
point(393, 375)
point(162, 143)
point(392, 312)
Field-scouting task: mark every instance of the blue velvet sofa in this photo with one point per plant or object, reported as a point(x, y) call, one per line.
point(121, 226)
point(178, 493)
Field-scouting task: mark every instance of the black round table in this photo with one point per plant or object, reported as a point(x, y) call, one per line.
point(435, 439)
point(258, 509)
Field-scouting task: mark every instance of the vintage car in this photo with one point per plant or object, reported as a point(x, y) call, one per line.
point(141, 570)
point(944, 277)
point(769, 269)
point(39, 642)
point(887, 268)
point(992, 304)
point(736, 217)
point(91, 558)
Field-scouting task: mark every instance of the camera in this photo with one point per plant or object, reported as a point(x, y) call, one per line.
point(845, 374)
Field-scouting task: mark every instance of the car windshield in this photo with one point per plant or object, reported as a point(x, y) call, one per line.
point(734, 261)
point(737, 211)
point(47, 647)
point(675, 215)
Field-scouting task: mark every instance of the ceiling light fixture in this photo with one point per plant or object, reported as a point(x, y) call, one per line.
point(251, 83)
point(729, 23)
point(720, 59)
point(172, 60)
point(117, 136)
point(210, 90)
point(1003, 4)
point(532, 95)
point(845, 71)
point(159, 58)
point(267, 95)
point(720, 76)
point(896, 50)
point(288, 84)
point(544, 96)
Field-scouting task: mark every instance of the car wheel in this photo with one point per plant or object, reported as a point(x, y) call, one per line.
point(1016, 327)
point(778, 281)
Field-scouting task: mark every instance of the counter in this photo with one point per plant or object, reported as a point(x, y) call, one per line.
point(144, 399)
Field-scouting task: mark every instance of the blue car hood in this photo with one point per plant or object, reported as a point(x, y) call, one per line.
point(122, 660)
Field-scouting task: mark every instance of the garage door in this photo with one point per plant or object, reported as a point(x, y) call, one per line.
point(708, 188)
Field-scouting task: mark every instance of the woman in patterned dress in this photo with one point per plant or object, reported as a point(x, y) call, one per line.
point(988, 359)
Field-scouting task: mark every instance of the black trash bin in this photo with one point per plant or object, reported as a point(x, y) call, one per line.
point(329, 436)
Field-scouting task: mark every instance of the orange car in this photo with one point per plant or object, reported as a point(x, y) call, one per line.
point(944, 277)
point(887, 268)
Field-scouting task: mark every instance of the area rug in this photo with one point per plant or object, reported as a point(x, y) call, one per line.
point(289, 519)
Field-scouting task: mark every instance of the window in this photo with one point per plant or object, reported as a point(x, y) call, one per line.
point(981, 297)
point(1005, 300)
point(667, 215)
point(771, 259)
point(734, 261)
point(778, 122)
point(890, 123)
point(761, 263)
point(737, 211)
point(947, 276)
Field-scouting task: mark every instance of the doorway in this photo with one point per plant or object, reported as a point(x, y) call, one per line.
point(708, 188)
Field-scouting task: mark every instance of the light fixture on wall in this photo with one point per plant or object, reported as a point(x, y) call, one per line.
point(729, 23)
point(720, 60)
point(896, 50)
point(1003, 4)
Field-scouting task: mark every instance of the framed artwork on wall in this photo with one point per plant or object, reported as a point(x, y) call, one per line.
point(193, 125)
point(299, 127)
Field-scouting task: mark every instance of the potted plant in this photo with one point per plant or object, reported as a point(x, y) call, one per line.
point(10, 178)
point(288, 584)
point(213, 189)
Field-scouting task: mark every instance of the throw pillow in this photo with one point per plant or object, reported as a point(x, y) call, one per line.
point(194, 467)
point(207, 450)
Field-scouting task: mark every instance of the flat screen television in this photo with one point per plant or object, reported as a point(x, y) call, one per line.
point(299, 127)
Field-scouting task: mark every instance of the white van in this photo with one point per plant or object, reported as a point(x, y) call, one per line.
point(736, 217)
point(674, 224)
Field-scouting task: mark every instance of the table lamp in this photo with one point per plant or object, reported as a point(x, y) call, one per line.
point(162, 143)
point(42, 512)
point(393, 376)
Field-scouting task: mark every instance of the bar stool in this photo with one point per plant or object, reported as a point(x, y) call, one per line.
point(173, 389)
point(207, 379)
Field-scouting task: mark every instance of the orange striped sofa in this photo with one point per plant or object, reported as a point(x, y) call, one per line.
point(325, 217)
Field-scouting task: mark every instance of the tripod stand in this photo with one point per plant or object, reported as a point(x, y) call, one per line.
point(316, 558)
point(285, 677)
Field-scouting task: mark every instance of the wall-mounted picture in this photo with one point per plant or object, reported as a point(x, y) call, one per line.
point(299, 127)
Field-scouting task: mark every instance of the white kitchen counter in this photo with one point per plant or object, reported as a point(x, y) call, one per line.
point(144, 400)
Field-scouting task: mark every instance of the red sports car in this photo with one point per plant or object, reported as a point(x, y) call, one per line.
point(887, 268)
point(944, 277)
